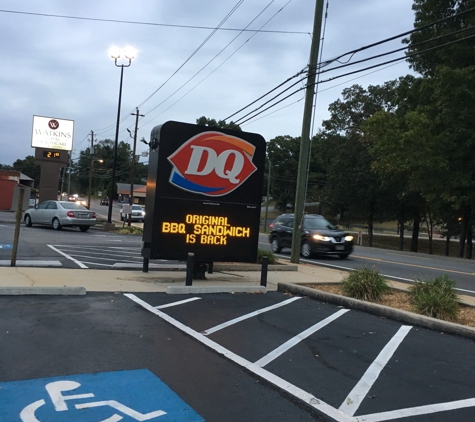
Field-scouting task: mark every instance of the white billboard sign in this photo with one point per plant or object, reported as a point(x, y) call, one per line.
point(52, 133)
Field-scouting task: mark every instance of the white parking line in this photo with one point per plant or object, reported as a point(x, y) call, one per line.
point(81, 265)
point(250, 315)
point(418, 410)
point(284, 385)
point(180, 302)
point(337, 414)
point(351, 404)
point(297, 339)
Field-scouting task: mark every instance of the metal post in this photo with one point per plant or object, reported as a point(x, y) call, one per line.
point(111, 199)
point(265, 265)
point(17, 226)
point(190, 264)
point(145, 265)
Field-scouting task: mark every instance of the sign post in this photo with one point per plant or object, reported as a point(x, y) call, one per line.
point(52, 139)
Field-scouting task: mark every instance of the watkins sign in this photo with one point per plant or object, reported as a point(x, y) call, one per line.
point(51, 133)
point(204, 192)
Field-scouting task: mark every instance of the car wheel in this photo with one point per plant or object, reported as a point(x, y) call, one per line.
point(344, 256)
point(28, 222)
point(306, 250)
point(56, 224)
point(84, 228)
point(275, 245)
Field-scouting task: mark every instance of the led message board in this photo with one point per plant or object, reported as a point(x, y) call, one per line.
point(204, 193)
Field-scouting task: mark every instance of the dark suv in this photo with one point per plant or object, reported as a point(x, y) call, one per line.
point(319, 236)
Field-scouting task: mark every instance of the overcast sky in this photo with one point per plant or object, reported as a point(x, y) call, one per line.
point(60, 67)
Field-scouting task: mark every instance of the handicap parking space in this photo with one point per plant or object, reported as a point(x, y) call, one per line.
point(234, 357)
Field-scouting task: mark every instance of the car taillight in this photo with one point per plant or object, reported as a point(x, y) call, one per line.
point(70, 214)
point(93, 215)
point(271, 225)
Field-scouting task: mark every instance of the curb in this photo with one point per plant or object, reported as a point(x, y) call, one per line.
point(381, 310)
point(175, 290)
point(64, 291)
point(252, 267)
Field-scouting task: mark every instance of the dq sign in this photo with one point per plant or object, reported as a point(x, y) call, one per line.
point(204, 191)
point(212, 164)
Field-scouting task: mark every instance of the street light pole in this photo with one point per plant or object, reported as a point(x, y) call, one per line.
point(115, 54)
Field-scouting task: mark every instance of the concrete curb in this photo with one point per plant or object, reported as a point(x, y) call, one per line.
point(252, 267)
point(381, 310)
point(63, 291)
point(174, 290)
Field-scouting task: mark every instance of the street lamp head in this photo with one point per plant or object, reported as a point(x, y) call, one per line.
point(130, 52)
point(114, 52)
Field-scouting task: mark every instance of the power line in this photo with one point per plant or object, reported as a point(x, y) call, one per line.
point(272, 17)
point(49, 15)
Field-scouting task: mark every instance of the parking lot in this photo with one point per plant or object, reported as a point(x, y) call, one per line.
point(272, 357)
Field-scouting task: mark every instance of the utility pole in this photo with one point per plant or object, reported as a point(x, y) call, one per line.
point(91, 154)
point(305, 142)
point(132, 169)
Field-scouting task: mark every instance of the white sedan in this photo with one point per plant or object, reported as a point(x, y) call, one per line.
point(59, 214)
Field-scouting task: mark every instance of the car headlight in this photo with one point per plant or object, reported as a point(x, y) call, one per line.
point(320, 237)
point(348, 238)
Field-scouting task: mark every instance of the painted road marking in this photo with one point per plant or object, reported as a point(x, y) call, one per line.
point(6, 246)
point(81, 265)
point(250, 315)
point(284, 385)
point(108, 397)
point(297, 339)
point(180, 302)
point(351, 404)
point(337, 414)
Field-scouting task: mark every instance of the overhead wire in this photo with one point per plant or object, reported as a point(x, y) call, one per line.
point(272, 17)
point(240, 121)
point(50, 15)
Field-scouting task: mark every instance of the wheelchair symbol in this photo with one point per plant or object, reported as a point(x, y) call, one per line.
point(55, 390)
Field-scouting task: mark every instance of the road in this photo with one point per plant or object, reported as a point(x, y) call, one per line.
point(98, 249)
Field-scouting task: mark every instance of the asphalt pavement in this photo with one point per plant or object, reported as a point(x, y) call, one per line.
point(226, 278)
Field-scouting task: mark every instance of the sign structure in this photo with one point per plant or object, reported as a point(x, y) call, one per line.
point(204, 192)
point(52, 133)
point(111, 396)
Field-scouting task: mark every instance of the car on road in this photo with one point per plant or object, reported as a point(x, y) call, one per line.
point(319, 236)
point(59, 214)
point(105, 201)
point(138, 213)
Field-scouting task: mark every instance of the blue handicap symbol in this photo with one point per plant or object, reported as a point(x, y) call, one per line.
point(6, 246)
point(104, 397)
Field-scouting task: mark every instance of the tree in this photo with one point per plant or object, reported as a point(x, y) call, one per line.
point(29, 168)
point(456, 56)
point(205, 121)
point(5, 167)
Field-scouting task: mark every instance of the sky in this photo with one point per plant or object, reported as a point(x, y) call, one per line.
point(55, 63)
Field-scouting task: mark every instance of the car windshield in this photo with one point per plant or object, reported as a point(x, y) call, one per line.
point(317, 224)
point(137, 207)
point(72, 206)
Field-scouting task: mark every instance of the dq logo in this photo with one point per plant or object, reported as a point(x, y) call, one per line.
point(212, 164)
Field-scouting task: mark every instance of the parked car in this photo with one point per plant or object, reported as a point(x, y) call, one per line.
point(59, 214)
point(138, 214)
point(105, 201)
point(319, 236)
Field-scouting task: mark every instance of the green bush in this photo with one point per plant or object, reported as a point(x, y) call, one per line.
point(366, 284)
point(130, 230)
point(436, 298)
point(270, 255)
